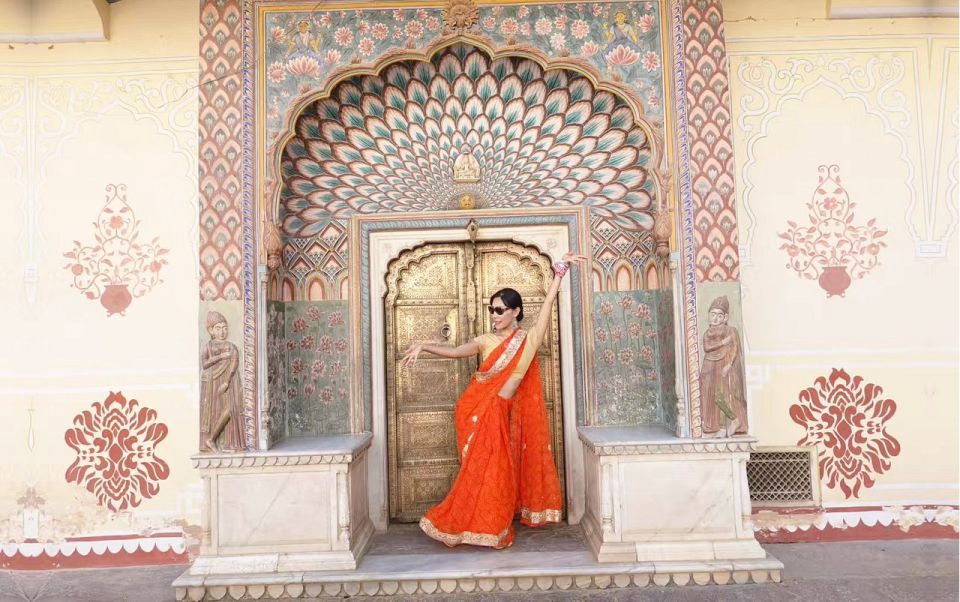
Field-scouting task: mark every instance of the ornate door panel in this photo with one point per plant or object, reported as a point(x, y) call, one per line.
point(439, 292)
point(425, 302)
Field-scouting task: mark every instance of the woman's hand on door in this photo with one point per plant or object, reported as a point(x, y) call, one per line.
point(415, 349)
point(410, 357)
point(574, 258)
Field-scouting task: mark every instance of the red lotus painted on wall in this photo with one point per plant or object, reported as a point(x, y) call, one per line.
point(117, 267)
point(116, 459)
point(622, 56)
point(832, 250)
point(848, 419)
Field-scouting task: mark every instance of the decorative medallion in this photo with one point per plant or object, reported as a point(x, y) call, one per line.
point(832, 250)
point(847, 419)
point(459, 16)
point(115, 443)
point(117, 267)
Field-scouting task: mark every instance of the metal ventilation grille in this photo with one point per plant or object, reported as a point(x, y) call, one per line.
point(784, 476)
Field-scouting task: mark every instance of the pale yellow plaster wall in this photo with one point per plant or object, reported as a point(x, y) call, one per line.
point(15, 18)
point(878, 98)
point(75, 118)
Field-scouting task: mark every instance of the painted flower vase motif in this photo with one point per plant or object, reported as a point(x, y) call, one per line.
point(117, 267)
point(832, 250)
point(834, 280)
point(115, 298)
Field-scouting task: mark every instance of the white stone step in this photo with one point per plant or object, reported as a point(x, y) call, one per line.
point(474, 571)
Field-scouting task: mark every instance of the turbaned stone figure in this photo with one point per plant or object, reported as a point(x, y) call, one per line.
point(221, 400)
point(723, 399)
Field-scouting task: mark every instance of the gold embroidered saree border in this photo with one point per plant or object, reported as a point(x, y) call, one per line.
point(469, 537)
point(533, 519)
point(505, 358)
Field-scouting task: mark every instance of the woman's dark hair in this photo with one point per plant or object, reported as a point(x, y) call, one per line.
point(511, 299)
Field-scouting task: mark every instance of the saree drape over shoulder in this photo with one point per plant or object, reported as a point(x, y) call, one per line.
point(506, 462)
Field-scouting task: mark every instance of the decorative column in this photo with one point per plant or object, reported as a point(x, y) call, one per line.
point(709, 263)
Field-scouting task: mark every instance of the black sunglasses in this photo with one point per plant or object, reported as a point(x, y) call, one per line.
point(498, 310)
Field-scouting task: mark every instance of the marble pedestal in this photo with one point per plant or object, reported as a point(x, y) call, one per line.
point(653, 497)
point(301, 506)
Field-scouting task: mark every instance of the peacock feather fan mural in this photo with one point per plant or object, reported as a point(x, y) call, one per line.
point(388, 142)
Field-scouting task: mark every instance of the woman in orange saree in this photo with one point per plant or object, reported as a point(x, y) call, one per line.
point(503, 440)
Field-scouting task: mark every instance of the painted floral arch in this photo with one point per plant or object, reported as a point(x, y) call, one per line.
point(385, 138)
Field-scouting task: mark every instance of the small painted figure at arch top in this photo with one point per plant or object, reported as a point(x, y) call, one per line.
point(723, 402)
point(221, 400)
point(503, 437)
point(303, 42)
point(623, 32)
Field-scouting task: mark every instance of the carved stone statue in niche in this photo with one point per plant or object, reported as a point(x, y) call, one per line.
point(221, 400)
point(722, 395)
point(466, 169)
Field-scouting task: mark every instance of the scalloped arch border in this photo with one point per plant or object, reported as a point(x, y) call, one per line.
point(392, 57)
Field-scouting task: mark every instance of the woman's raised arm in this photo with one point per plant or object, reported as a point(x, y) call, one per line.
point(539, 330)
point(535, 335)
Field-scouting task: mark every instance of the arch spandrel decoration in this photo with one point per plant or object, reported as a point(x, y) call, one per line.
point(385, 137)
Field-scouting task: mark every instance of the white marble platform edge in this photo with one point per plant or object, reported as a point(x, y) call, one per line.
point(528, 564)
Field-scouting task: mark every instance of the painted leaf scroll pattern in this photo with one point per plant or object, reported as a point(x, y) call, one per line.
point(388, 142)
point(848, 419)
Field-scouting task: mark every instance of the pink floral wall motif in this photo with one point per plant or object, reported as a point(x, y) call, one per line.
point(317, 372)
point(115, 442)
point(832, 249)
point(630, 348)
point(848, 419)
point(116, 267)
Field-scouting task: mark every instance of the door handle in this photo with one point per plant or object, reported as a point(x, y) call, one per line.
point(445, 331)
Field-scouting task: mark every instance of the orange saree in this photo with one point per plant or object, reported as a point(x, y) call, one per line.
point(506, 463)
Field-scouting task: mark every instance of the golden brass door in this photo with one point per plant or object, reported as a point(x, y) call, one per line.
point(440, 292)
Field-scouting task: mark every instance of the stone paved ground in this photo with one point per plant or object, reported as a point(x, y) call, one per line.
point(911, 571)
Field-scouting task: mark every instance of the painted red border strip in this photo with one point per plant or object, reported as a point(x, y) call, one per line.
point(861, 532)
point(122, 537)
point(43, 562)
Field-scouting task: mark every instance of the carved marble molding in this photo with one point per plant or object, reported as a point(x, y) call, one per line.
point(345, 454)
point(243, 461)
point(680, 446)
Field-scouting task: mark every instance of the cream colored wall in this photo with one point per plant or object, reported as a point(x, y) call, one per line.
point(75, 118)
point(878, 98)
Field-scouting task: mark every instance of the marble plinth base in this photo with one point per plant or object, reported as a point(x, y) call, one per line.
point(301, 506)
point(652, 497)
point(475, 571)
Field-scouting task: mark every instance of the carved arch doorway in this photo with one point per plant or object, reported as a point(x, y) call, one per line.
point(440, 292)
